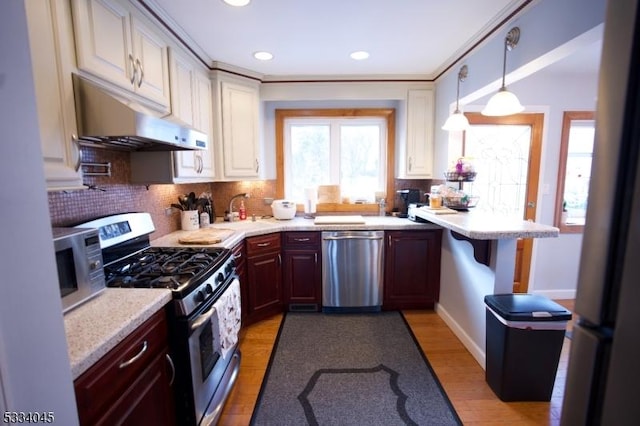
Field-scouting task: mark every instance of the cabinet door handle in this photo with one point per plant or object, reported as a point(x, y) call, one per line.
point(257, 166)
point(315, 255)
point(76, 142)
point(173, 369)
point(139, 67)
point(263, 244)
point(125, 364)
point(279, 259)
point(302, 240)
point(134, 71)
point(410, 163)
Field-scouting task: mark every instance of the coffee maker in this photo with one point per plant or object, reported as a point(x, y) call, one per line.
point(408, 196)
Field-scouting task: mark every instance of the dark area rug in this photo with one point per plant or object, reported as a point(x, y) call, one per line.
point(350, 369)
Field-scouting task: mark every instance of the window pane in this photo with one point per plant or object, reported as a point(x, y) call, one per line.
point(500, 154)
point(309, 162)
point(350, 152)
point(360, 161)
point(578, 174)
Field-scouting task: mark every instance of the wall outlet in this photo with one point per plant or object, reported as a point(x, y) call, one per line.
point(267, 201)
point(168, 211)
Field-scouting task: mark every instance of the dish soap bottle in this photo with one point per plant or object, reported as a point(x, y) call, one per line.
point(242, 211)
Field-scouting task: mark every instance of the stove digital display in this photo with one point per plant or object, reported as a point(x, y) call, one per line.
point(114, 230)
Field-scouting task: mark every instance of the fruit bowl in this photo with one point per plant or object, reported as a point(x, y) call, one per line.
point(463, 202)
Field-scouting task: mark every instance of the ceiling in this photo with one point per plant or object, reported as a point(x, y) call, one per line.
point(313, 38)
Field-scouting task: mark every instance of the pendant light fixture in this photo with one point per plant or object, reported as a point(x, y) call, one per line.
point(505, 102)
point(457, 122)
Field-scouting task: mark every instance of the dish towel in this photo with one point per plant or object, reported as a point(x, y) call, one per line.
point(226, 319)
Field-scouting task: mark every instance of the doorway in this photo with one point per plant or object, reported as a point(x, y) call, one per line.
point(506, 154)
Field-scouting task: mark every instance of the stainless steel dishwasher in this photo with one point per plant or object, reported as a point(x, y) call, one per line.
point(352, 271)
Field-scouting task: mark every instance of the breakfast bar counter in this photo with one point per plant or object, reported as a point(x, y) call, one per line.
point(478, 259)
point(487, 226)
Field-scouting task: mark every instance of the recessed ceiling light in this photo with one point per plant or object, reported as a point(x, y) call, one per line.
point(237, 3)
point(263, 56)
point(359, 55)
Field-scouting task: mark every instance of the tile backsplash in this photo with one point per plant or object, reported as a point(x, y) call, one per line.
point(114, 194)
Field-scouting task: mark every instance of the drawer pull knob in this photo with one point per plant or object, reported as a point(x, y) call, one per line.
point(302, 240)
point(125, 364)
point(263, 244)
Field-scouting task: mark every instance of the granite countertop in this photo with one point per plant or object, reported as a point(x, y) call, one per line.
point(97, 326)
point(249, 228)
point(477, 225)
point(485, 226)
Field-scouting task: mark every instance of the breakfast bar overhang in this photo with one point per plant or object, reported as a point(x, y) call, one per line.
point(478, 259)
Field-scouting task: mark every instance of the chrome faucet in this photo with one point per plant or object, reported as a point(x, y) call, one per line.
point(242, 195)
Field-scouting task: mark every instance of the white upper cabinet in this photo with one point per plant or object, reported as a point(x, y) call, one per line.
point(198, 165)
point(416, 159)
point(237, 105)
point(183, 87)
point(190, 103)
point(51, 43)
point(116, 45)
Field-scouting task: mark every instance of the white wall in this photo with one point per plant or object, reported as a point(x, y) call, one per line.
point(35, 374)
point(550, 31)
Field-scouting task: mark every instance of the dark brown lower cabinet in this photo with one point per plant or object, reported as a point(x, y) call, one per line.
point(412, 269)
point(131, 384)
point(302, 275)
point(264, 277)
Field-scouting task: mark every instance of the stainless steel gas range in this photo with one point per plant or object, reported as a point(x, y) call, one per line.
point(204, 314)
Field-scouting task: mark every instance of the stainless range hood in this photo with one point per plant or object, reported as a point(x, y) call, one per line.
point(107, 122)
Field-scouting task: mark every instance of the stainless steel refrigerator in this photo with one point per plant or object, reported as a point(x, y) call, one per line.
point(604, 365)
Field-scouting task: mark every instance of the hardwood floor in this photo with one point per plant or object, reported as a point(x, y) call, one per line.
point(461, 376)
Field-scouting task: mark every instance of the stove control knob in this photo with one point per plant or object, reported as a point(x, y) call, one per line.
point(219, 278)
point(208, 289)
point(229, 268)
point(199, 297)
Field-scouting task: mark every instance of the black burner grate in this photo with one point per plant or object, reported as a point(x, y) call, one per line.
point(164, 267)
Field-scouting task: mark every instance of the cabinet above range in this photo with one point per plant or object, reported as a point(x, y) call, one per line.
point(121, 47)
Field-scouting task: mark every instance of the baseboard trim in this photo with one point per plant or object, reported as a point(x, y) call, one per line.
point(477, 352)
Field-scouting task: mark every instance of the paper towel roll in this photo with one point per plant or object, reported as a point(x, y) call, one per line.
point(310, 200)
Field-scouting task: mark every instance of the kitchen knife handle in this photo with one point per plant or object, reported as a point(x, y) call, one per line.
point(125, 364)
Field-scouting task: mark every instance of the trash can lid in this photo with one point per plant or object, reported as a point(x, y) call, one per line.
point(526, 307)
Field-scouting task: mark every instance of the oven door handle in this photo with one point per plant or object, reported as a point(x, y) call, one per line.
point(203, 319)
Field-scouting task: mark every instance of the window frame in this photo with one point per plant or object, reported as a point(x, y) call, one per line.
point(567, 118)
point(386, 113)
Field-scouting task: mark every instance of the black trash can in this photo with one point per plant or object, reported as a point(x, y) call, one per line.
point(524, 338)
